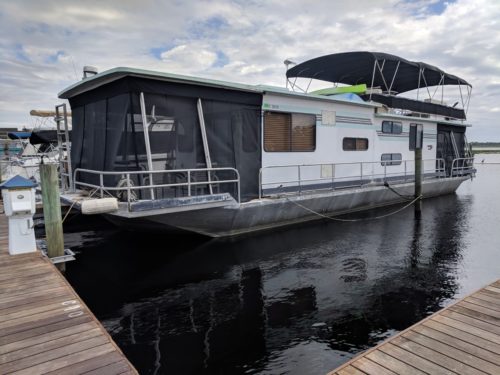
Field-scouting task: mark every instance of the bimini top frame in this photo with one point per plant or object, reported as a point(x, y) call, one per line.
point(393, 74)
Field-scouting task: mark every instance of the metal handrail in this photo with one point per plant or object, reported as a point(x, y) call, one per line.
point(439, 169)
point(461, 166)
point(129, 187)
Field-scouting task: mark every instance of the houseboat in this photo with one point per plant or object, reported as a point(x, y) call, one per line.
point(220, 159)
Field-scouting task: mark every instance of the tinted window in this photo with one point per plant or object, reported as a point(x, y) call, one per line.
point(391, 159)
point(392, 127)
point(355, 144)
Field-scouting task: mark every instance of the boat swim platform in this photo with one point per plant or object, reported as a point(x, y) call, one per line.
point(44, 326)
point(463, 338)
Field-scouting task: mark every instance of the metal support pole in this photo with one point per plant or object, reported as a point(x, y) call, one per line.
point(52, 212)
point(208, 161)
point(145, 128)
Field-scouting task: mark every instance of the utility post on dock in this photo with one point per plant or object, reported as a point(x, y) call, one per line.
point(416, 140)
point(52, 212)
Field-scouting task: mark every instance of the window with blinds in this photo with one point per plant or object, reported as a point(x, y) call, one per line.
point(289, 132)
point(355, 144)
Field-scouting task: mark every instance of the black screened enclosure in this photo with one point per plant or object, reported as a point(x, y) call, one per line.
point(108, 133)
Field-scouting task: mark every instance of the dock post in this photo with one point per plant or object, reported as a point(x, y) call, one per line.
point(418, 182)
point(52, 212)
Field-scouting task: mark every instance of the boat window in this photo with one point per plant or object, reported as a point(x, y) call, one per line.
point(289, 132)
point(391, 159)
point(392, 127)
point(355, 144)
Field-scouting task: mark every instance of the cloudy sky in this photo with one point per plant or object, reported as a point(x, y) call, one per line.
point(45, 43)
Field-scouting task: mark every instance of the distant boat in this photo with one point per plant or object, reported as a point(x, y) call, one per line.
point(221, 158)
point(30, 147)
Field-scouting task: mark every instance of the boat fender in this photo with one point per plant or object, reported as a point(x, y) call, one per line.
point(99, 206)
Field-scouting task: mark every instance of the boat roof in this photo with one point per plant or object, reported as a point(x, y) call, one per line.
point(108, 76)
point(114, 74)
point(382, 69)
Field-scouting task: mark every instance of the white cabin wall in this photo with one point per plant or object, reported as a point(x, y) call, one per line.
point(328, 138)
point(391, 143)
point(329, 143)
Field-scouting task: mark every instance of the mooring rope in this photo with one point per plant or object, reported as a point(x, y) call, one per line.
point(354, 220)
point(407, 197)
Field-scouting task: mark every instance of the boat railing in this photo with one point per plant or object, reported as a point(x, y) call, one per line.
point(462, 167)
point(299, 178)
point(132, 183)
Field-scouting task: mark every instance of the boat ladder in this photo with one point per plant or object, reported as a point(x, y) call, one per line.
point(64, 144)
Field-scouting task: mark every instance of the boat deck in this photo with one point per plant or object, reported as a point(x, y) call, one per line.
point(44, 326)
point(463, 338)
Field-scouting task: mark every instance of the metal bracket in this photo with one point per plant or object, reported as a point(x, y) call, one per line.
point(67, 257)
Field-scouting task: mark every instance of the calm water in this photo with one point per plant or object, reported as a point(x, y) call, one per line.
point(299, 301)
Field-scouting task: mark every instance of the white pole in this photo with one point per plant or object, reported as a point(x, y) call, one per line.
point(208, 161)
point(145, 127)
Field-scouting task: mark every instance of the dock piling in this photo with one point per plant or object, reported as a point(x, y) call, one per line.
point(418, 181)
point(52, 212)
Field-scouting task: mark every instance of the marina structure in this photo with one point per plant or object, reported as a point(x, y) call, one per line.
point(221, 159)
point(44, 325)
point(463, 338)
point(22, 154)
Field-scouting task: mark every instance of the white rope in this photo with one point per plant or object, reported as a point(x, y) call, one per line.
point(353, 220)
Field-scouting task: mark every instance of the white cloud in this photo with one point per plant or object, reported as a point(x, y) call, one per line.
point(188, 58)
point(43, 42)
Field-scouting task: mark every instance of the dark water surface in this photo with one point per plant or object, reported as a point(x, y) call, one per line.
point(300, 301)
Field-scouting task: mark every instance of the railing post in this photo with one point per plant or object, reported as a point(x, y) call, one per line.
point(128, 190)
point(300, 184)
point(238, 185)
point(189, 183)
point(101, 184)
point(361, 174)
point(260, 183)
point(333, 176)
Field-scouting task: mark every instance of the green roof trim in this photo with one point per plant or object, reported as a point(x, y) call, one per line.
point(354, 89)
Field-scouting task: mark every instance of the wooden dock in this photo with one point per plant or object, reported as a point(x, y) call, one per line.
point(44, 326)
point(463, 338)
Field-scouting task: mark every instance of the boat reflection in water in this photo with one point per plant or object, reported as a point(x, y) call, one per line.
point(302, 300)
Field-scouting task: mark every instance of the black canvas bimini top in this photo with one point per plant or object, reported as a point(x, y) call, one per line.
point(354, 68)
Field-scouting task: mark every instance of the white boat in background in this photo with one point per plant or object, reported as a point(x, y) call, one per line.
point(222, 159)
point(40, 141)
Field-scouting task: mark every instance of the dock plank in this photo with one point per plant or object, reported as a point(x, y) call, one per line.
point(44, 326)
point(451, 342)
point(437, 353)
point(463, 338)
point(93, 364)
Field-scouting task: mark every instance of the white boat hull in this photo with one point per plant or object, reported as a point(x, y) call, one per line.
point(268, 213)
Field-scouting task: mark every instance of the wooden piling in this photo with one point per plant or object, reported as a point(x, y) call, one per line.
point(52, 212)
point(418, 181)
